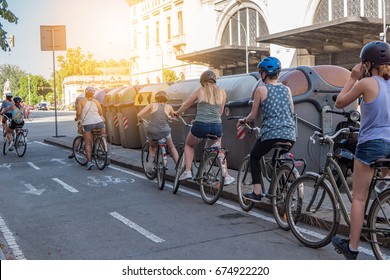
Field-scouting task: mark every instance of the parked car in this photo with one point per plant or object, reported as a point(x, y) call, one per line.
point(43, 106)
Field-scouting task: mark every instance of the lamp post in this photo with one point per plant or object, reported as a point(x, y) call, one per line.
point(384, 20)
point(246, 37)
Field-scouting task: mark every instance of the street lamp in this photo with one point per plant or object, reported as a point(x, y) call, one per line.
point(246, 37)
point(384, 20)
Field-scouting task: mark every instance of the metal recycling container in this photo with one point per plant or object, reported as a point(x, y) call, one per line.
point(127, 118)
point(144, 97)
point(239, 90)
point(313, 89)
point(111, 117)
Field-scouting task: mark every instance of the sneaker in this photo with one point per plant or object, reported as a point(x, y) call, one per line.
point(342, 247)
point(11, 146)
point(228, 180)
point(186, 175)
point(253, 196)
point(89, 165)
point(71, 156)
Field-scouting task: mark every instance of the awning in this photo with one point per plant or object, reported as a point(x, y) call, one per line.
point(224, 57)
point(333, 36)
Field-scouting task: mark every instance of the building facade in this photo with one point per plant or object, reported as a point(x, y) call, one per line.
point(231, 36)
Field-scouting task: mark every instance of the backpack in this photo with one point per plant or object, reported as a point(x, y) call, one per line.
point(18, 117)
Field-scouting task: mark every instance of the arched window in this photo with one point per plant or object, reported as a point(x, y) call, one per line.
point(241, 22)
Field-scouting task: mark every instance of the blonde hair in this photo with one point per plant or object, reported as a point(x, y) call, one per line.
point(384, 71)
point(214, 94)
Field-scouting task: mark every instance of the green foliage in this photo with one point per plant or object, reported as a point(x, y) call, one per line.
point(13, 73)
point(40, 89)
point(169, 76)
point(6, 14)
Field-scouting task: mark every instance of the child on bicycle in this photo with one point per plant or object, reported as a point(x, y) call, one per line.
point(278, 126)
point(369, 79)
point(14, 112)
point(158, 127)
point(210, 100)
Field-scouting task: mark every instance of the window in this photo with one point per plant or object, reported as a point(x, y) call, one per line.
point(180, 22)
point(147, 36)
point(135, 42)
point(169, 28)
point(157, 32)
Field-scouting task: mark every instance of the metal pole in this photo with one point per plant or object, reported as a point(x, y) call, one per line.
point(384, 20)
point(29, 89)
point(54, 82)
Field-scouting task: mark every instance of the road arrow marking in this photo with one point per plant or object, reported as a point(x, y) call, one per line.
point(66, 186)
point(32, 190)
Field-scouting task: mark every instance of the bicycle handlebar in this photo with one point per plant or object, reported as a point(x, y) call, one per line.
point(329, 138)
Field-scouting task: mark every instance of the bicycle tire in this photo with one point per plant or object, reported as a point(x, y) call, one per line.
point(244, 184)
point(30, 117)
point(100, 153)
point(316, 226)
point(20, 144)
point(211, 178)
point(285, 176)
point(5, 146)
point(79, 150)
point(161, 168)
point(145, 160)
point(379, 218)
point(180, 167)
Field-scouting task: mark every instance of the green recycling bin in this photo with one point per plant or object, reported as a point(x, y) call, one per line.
point(127, 117)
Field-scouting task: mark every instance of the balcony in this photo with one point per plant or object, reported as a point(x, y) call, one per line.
point(178, 43)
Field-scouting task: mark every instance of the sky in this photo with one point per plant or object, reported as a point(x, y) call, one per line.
point(100, 27)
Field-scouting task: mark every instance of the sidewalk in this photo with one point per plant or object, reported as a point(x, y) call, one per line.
point(131, 159)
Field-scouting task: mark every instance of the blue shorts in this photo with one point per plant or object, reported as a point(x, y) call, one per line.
point(369, 151)
point(90, 127)
point(200, 129)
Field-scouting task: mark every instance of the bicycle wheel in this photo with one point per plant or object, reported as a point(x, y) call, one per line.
point(285, 176)
point(244, 185)
point(378, 222)
point(79, 150)
point(161, 168)
point(180, 166)
point(211, 178)
point(5, 145)
point(30, 117)
point(100, 153)
point(20, 144)
point(312, 212)
point(145, 160)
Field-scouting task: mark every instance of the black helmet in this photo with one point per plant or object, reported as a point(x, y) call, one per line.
point(270, 65)
point(17, 99)
point(376, 52)
point(208, 76)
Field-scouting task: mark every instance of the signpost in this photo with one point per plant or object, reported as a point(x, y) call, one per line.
point(53, 38)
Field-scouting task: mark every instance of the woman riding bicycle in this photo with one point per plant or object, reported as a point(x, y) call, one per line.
point(210, 101)
point(278, 126)
point(90, 113)
point(158, 127)
point(14, 112)
point(369, 79)
point(6, 103)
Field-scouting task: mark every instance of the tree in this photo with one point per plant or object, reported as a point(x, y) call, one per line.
point(169, 76)
point(6, 14)
point(40, 89)
point(12, 73)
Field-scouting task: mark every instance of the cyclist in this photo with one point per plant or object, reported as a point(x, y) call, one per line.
point(158, 127)
point(369, 79)
point(90, 113)
point(6, 103)
point(278, 126)
point(16, 113)
point(210, 100)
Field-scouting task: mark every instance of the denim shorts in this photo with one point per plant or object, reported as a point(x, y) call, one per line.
point(90, 127)
point(200, 129)
point(369, 151)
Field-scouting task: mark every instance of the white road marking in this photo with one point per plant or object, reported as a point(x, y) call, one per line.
point(33, 165)
point(11, 241)
point(33, 190)
point(60, 160)
point(136, 227)
point(65, 185)
point(43, 144)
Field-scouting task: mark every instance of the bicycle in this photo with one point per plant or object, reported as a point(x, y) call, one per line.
point(99, 149)
point(19, 136)
point(211, 173)
point(314, 203)
point(279, 171)
point(160, 162)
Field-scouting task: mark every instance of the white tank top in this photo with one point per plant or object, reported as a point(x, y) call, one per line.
point(90, 114)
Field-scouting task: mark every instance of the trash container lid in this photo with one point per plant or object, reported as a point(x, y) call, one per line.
point(110, 96)
point(100, 94)
point(146, 94)
point(238, 86)
point(180, 91)
point(125, 95)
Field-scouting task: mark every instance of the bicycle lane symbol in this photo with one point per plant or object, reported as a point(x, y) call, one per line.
point(104, 181)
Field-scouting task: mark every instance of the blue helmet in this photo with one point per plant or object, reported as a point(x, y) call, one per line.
point(270, 65)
